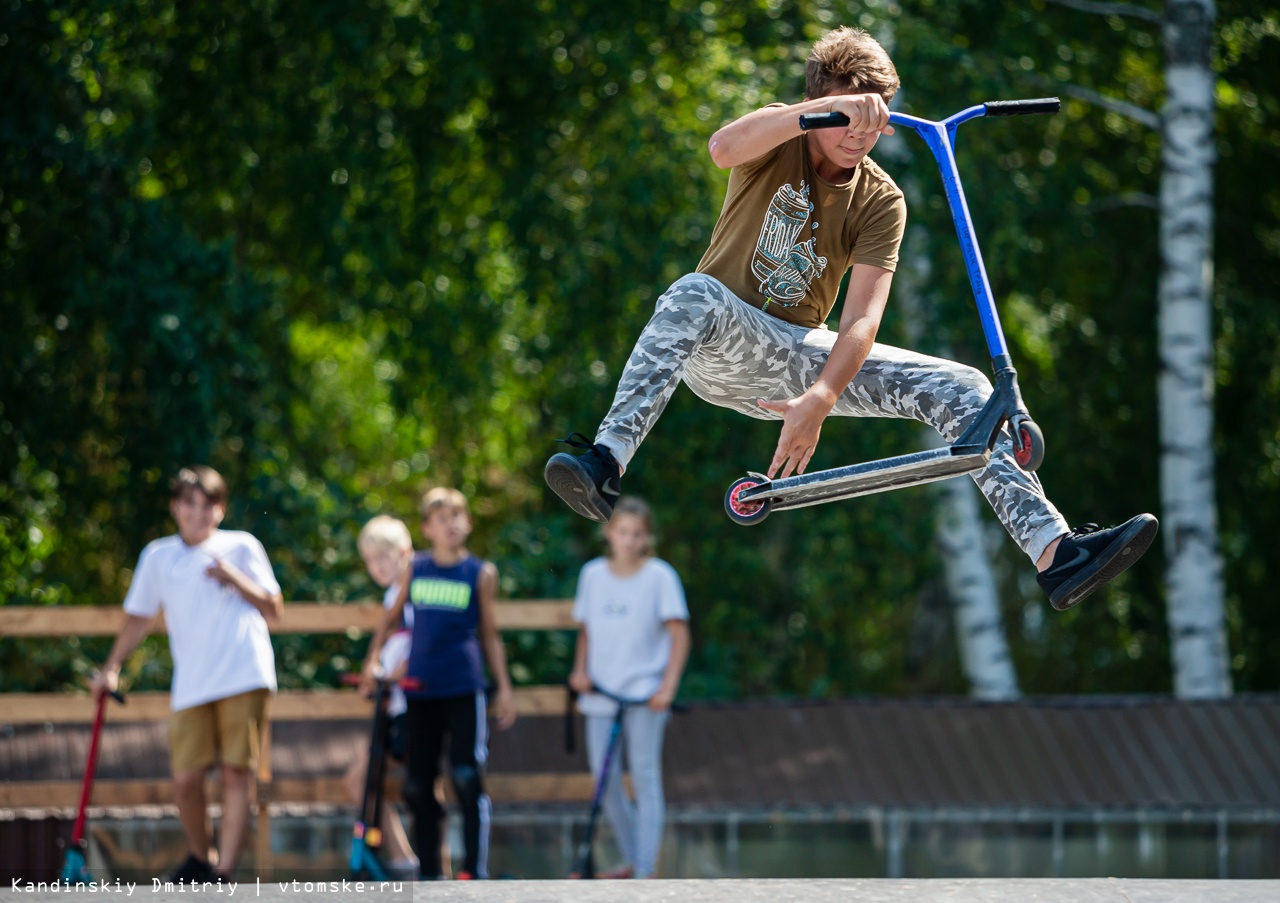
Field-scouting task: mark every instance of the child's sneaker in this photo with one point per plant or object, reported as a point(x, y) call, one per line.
point(406, 868)
point(193, 870)
point(1090, 556)
point(589, 483)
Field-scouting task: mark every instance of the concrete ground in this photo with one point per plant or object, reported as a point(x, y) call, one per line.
point(1065, 890)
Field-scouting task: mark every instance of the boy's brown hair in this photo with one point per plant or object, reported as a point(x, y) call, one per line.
point(849, 61)
point(200, 477)
point(443, 497)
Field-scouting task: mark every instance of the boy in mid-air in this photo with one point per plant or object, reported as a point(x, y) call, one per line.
point(747, 330)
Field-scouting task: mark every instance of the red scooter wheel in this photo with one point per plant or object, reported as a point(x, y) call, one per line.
point(745, 513)
point(1031, 455)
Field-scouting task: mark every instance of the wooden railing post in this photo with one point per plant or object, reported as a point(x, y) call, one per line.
point(262, 859)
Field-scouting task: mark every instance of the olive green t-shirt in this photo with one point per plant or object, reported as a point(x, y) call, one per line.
point(786, 236)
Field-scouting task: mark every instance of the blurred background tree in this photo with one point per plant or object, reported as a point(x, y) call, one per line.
point(343, 256)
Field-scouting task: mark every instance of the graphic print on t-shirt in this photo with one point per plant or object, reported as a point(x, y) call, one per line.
point(787, 267)
point(428, 592)
point(615, 608)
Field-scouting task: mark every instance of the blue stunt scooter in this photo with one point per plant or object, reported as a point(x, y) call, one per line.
point(750, 499)
point(74, 868)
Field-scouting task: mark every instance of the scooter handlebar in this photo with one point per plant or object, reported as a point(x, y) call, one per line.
point(835, 119)
point(1022, 107)
point(831, 120)
point(595, 688)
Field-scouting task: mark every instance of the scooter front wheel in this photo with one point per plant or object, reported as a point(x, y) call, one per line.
point(745, 513)
point(1031, 455)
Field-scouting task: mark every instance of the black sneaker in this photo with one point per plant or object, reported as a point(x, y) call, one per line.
point(589, 483)
point(193, 870)
point(1090, 556)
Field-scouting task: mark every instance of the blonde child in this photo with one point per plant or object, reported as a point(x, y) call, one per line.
point(633, 641)
point(387, 548)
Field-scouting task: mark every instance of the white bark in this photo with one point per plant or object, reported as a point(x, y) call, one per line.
point(971, 585)
point(1190, 529)
point(970, 582)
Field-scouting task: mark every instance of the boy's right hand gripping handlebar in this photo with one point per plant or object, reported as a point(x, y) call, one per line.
point(835, 120)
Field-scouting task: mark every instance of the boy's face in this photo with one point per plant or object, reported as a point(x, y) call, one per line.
point(845, 148)
point(447, 528)
point(196, 515)
point(386, 565)
point(628, 536)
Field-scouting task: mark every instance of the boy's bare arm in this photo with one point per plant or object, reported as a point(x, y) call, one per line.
point(504, 706)
point(393, 617)
point(759, 132)
point(680, 642)
point(579, 679)
point(132, 632)
point(270, 604)
point(802, 417)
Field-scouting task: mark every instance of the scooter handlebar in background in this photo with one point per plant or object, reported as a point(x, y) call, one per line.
point(596, 688)
point(570, 743)
point(835, 120)
point(353, 678)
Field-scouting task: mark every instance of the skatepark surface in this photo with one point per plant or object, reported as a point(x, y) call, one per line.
point(1058, 890)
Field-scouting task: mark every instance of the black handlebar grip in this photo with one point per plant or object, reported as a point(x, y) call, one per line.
point(832, 120)
point(1022, 107)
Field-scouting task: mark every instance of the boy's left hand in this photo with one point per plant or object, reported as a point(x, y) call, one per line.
point(661, 700)
point(801, 425)
point(504, 708)
point(225, 573)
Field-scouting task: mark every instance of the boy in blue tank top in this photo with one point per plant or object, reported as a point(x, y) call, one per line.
point(455, 630)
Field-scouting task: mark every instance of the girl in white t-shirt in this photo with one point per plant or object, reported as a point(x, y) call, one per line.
point(633, 642)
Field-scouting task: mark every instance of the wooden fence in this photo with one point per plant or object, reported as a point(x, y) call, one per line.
point(352, 619)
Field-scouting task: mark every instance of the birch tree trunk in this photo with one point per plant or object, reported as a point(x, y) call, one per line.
point(958, 527)
point(971, 585)
point(1190, 530)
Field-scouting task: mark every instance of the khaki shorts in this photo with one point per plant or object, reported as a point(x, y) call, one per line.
point(226, 731)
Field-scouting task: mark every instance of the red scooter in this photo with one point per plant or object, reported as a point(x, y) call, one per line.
point(74, 867)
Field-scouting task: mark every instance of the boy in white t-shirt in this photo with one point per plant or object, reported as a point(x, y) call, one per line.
point(217, 591)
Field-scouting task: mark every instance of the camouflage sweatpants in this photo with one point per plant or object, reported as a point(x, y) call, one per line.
point(731, 354)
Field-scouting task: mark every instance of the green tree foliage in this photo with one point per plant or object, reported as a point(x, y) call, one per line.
point(344, 253)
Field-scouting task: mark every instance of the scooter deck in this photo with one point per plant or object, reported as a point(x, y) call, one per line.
point(865, 479)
